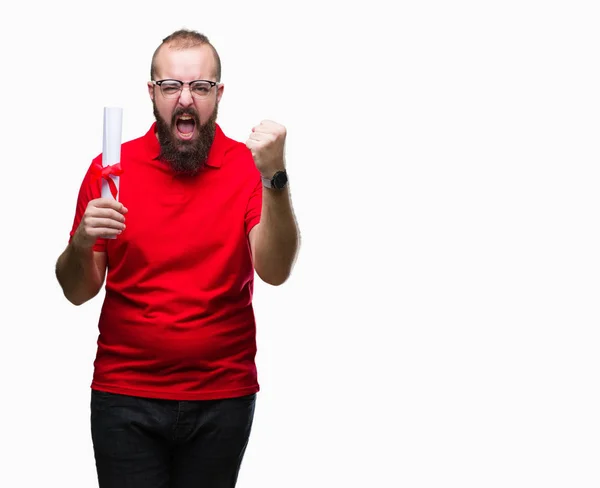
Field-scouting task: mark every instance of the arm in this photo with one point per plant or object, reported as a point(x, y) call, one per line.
point(79, 270)
point(80, 273)
point(275, 240)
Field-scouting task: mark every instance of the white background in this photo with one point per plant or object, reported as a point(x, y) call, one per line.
point(441, 326)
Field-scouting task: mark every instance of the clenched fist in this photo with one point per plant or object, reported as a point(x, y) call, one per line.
point(266, 142)
point(103, 217)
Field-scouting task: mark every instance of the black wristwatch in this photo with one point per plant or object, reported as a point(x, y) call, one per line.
point(278, 181)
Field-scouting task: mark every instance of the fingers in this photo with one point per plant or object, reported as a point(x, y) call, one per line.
point(108, 203)
point(103, 223)
point(101, 227)
point(106, 208)
point(95, 227)
point(256, 136)
point(90, 229)
point(262, 137)
point(106, 213)
point(101, 232)
point(103, 218)
point(253, 144)
point(269, 127)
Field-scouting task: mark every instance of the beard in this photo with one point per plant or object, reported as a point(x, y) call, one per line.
point(185, 157)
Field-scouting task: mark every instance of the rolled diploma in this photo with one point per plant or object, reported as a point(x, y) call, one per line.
point(111, 145)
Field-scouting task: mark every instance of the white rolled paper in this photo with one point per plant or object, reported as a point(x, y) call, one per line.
point(111, 145)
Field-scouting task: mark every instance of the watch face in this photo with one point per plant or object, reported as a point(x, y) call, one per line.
point(280, 180)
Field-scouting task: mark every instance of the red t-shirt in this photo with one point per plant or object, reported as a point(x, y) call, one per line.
point(177, 321)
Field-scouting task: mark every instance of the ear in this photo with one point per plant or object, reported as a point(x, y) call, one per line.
point(220, 92)
point(151, 90)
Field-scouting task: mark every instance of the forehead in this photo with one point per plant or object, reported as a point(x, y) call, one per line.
point(185, 64)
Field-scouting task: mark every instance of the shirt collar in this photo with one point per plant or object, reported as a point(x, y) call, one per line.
point(215, 155)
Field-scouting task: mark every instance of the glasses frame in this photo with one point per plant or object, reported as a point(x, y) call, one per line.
point(183, 83)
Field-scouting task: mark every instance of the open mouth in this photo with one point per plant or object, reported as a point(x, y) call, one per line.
point(186, 126)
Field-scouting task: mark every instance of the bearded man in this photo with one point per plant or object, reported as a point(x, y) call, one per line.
point(175, 381)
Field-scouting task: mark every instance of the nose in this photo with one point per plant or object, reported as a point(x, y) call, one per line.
point(185, 97)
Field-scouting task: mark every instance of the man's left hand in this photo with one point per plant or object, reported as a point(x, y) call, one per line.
point(266, 143)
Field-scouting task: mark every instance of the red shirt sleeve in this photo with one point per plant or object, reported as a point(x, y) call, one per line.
point(88, 191)
point(254, 207)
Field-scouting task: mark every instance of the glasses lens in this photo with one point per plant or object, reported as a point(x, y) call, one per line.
point(200, 89)
point(170, 88)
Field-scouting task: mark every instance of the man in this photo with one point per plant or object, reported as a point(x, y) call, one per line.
point(175, 381)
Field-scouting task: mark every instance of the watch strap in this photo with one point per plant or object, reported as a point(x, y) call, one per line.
point(267, 183)
point(270, 182)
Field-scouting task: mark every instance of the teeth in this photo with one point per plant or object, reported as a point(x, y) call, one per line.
point(185, 117)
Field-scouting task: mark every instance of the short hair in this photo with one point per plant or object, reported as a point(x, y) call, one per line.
point(186, 39)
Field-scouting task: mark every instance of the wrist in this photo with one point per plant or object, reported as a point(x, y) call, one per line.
point(272, 167)
point(275, 181)
point(80, 245)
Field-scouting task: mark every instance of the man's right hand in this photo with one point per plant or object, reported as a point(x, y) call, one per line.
point(103, 218)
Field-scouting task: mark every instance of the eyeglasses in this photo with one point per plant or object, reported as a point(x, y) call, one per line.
point(173, 88)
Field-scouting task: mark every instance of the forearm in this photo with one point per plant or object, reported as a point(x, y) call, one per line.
point(78, 274)
point(277, 240)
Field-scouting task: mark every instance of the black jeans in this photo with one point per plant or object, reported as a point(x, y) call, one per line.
point(147, 443)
